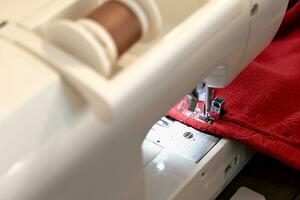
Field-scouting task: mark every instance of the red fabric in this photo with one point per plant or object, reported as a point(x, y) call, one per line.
point(263, 102)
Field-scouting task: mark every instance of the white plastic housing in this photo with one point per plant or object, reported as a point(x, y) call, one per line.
point(55, 148)
point(265, 17)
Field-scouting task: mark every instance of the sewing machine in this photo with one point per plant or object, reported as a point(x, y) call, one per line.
point(75, 115)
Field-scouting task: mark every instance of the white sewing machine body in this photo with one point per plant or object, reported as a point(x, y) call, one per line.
point(69, 133)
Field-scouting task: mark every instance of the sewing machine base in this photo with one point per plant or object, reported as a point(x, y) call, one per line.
point(183, 163)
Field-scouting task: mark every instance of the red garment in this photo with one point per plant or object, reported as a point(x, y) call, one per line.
point(263, 102)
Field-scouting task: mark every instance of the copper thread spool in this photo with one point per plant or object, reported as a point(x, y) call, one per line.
point(121, 23)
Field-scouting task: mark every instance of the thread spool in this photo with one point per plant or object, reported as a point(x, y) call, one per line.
point(121, 22)
point(105, 34)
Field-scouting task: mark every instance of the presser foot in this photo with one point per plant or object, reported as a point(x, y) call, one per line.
point(201, 105)
point(204, 111)
point(205, 119)
point(215, 111)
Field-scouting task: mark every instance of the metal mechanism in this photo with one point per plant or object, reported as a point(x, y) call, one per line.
point(208, 99)
point(216, 109)
point(208, 110)
point(180, 139)
point(213, 107)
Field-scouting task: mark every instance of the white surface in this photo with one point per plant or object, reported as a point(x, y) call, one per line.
point(171, 139)
point(154, 19)
point(15, 10)
point(211, 176)
point(87, 48)
point(37, 12)
point(262, 28)
point(246, 194)
point(169, 169)
point(23, 84)
point(18, 79)
point(57, 9)
point(264, 24)
point(150, 150)
point(84, 156)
